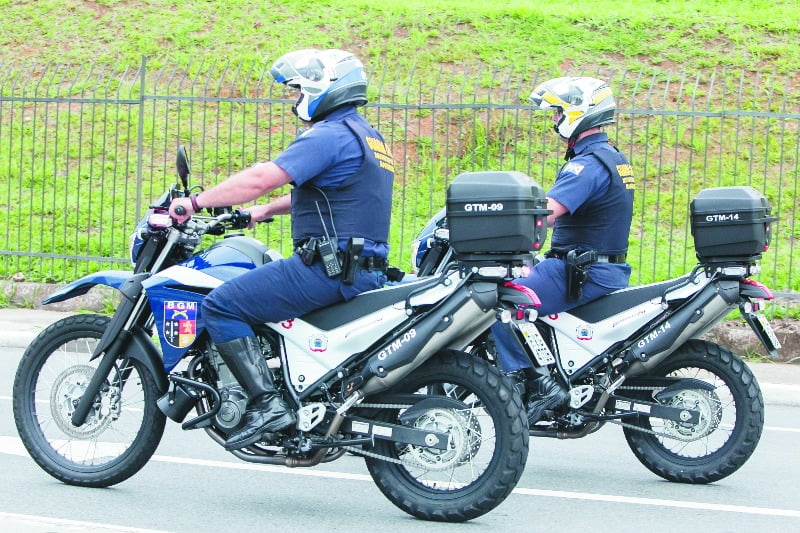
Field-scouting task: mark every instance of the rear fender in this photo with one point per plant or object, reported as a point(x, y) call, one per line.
point(754, 289)
point(110, 278)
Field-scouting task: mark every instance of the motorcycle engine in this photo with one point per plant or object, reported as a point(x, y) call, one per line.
point(234, 398)
point(234, 403)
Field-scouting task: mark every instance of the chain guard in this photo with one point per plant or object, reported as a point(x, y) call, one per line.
point(461, 447)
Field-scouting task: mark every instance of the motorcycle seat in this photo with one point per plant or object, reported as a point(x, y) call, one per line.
point(336, 315)
point(622, 299)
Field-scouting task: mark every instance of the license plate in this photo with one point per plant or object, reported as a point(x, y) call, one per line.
point(536, 343)
point(768, 332)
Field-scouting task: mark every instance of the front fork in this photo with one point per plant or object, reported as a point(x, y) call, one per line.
point(113, 344)
point(132, 312)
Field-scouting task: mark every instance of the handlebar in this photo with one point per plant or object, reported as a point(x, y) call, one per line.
point(240, 218)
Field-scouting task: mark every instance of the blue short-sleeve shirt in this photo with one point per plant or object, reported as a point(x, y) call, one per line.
point(326, 153)
point(584, 176)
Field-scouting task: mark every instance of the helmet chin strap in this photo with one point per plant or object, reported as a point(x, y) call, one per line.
point(570, 153)
point(574, 139)
point(296, 104)
point(570, 142)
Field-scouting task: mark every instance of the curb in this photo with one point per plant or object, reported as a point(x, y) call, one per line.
point(780, 394)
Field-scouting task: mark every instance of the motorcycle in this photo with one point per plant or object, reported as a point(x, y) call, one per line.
point(691, 411)
point(442, 433)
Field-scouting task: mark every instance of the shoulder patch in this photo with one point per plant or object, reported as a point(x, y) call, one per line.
point(575, 168)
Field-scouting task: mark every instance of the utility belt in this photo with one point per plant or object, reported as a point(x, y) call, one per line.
point(337, 262)
point(577, 270)
point(599, 258)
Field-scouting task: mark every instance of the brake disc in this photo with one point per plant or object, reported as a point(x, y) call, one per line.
point(68, 389)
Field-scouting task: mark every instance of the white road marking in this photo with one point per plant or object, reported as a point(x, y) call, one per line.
point(13, 446)
point(658, 503)
point(24, 522)
point(777, 428)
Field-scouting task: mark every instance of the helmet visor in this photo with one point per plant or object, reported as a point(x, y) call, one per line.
point(296, 67)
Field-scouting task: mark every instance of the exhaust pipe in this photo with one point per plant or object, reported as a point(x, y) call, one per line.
point(450, 325)
point(702, 312)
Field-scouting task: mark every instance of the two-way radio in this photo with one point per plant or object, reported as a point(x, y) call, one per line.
point(328, 249)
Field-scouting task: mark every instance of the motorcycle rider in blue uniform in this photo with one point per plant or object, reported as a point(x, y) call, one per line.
point(342, 174)
point(592, 205)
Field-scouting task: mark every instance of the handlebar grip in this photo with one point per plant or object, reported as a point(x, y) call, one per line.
point(180, 210)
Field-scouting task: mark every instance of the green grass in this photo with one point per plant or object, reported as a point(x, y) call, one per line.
point(512, 33)
point(418, 52)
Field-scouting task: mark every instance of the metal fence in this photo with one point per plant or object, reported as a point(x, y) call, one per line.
point(85, 148)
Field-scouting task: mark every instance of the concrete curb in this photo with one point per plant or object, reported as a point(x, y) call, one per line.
point(780, 394)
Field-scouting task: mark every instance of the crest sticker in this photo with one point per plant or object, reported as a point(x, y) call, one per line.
point(584, 332)
point(180, 323)
point(318, 343)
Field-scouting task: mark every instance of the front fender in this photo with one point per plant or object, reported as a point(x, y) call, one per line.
point(111, 278)
point(138, 346)
point(143, 350)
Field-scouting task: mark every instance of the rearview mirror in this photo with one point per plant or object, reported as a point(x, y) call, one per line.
point(182, 163)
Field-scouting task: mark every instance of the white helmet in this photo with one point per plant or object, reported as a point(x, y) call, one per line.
point(586, 103)
point(327, 79)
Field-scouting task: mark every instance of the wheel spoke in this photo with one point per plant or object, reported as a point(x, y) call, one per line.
point(123, 426)
point(729, 424)
point(486, 440)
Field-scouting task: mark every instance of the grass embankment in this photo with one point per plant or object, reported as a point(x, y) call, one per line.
point(438, 46)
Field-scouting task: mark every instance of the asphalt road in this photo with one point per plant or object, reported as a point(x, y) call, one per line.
point(591, 484)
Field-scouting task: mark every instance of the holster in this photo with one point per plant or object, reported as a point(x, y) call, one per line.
point(577, 271)
point(308, 251)
point(394, 274)
point(355, 245)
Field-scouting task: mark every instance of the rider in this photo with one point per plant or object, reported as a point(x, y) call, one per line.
point(342, 173)
point(592, 205)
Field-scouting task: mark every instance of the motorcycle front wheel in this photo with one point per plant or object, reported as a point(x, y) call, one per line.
point(487, 448)
point(731, 418)
point(124, 426)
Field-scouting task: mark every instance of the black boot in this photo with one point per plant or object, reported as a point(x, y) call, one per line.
point(546, 393)
point(519, 382)
point(266, 410)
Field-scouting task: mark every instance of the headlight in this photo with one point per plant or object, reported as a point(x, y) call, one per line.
point(156, 221)
point(136, 242)
point(414, 259)
point(159, 221)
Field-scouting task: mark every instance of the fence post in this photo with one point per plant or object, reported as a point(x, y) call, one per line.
point(140, 140)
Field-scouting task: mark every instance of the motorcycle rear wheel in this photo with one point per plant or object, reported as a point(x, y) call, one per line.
point(122, 430)
point(488, 446)
point(731, 418)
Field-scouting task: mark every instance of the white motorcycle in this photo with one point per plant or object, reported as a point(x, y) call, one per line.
point(443, 434)
point(691, 410)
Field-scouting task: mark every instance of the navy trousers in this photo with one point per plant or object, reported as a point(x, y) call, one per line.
point(277, 291)
point(548, 280)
